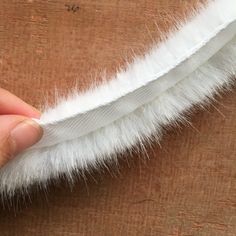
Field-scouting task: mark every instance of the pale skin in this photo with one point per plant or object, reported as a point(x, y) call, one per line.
point(17, 129)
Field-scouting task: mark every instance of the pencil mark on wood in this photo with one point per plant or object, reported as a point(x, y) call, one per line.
point(72, 7)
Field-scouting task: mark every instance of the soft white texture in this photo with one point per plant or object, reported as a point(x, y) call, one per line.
point(183, 77)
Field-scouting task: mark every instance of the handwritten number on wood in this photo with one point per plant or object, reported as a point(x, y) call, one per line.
point(72, 7)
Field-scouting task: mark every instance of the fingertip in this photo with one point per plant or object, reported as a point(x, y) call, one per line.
point(34, 113)
point(17, 134)
point(25, 134)
point(10, 104)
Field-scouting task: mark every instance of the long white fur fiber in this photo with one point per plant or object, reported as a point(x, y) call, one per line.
point(40, 164)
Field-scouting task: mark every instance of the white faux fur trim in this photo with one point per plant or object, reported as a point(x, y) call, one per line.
point(154, 91)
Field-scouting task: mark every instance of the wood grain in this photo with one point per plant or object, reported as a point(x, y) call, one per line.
point(186, 186)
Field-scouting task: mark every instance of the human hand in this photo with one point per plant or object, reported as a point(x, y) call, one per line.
point(17, 130)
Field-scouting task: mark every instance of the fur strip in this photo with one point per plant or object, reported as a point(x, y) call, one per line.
point(181, 91)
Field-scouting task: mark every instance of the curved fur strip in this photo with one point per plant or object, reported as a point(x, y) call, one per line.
point(40, 164)
point(37, 166)
point(144, 79)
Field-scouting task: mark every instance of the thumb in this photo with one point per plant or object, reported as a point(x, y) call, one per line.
point(16, 134)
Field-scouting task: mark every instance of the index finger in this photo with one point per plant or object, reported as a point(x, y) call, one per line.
point(11, 104)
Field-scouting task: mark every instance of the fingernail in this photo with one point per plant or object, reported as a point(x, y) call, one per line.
point(25, 134)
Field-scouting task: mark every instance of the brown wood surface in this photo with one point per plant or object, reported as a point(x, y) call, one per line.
point(186, 186)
